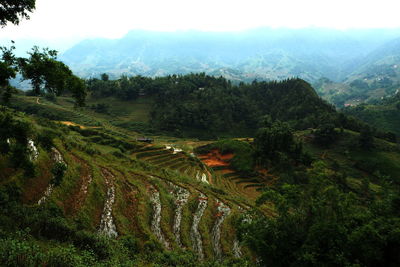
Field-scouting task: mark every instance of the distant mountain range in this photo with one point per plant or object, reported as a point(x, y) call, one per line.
point(254, 54)
point(375, 76)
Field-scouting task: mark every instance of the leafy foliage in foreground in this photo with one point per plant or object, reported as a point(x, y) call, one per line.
point(320, 223)
point(14, 10)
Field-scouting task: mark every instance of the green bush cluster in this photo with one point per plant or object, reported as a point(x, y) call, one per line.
point(58, 172)
point(14, 135)
point(318, 223)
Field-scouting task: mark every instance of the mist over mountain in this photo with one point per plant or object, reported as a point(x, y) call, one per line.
point(375, 76)
point(254, 54)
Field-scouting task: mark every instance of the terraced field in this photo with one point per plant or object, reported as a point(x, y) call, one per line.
point(226, 178)
point(160, 194)
point(169, 157)
point(117, 199)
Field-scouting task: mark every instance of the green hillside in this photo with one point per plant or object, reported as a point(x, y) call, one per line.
point(105, 190)
point(182, 168)
point(93, 195)
point(383, 114)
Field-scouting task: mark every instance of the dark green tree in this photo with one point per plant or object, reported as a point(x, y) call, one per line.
point(48, 75)
point(325, 135)
point(58, 172)
point(15, 10)
point(7, 71)
point(319, 225)
point(274, 143)
point(104, 77)
point(77, 87)
point(37, 67)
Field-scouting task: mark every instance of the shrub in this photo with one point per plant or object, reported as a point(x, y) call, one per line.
point(101, 108)
point(50, 97)
point(58, 172)
point(325, 135)
point(69, 257)
point(19, 253)
point(99, 245)
point(131, 244)
point(45, 139)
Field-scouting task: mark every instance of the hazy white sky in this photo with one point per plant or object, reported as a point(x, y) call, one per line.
point(77, 19)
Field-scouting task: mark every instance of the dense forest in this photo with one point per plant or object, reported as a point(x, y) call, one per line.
point(199, 105)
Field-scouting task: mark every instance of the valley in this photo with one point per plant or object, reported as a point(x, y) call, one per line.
point(212, 134)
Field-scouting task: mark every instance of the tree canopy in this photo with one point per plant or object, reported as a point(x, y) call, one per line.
point(15, 10)
point(7, 71)
point(46, 74)
point(319, 224)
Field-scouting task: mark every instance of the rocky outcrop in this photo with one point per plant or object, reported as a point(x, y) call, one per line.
point(237, 251)
point(156, 219)
point(181, 198)
point(107, 226)
point(222, 212)
point(174, 149)
point(194, 232)
point(201, 177)
point(46, 194)
point(34, 153)
point(56, 155)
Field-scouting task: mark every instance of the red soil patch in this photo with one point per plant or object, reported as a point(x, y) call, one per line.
point(215, 159)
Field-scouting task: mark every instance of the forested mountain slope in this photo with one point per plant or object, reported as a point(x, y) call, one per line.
point(383, 114)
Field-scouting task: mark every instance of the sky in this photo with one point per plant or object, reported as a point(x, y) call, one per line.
point(66, 21)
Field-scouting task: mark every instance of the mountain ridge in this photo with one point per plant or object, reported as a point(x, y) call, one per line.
point(318, 52)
